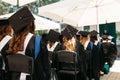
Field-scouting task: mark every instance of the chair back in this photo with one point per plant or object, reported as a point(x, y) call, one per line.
point(67, 60)
point(20, 63)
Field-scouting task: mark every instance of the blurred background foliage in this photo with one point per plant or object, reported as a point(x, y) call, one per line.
point(8, 8)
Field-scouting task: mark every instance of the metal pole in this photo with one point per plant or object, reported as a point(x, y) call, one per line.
point(97, 16)
point(17, 3)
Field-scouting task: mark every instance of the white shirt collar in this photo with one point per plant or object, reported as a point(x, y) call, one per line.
point(96, 42)
point(53, 47)
point(86, 44)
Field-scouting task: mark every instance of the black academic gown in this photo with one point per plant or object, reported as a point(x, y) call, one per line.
point(93, 62)
point(53, 59)
point(82, 74)
point(109, 51)
point(3, 74)
point(41, 63)
point(82, 61)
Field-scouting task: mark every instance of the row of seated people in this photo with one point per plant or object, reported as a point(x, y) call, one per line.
point(80, 57)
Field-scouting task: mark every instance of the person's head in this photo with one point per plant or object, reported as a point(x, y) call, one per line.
point(84, 36)
point(22, 23)
point(5, 28)
point(104, 38)
point(69, 38)
point(52, 37)
point(93, 36)
point(44, 38)
point(105, 31)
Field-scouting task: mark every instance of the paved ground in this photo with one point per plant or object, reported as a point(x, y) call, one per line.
point(114, 72)
point(111, 76)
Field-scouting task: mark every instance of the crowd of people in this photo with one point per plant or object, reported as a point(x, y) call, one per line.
point(17, 36)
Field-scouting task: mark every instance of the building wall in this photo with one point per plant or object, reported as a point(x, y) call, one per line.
point(118, 26)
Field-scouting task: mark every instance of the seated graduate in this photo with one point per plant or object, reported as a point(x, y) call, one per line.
point(24, 42)
point(6, 33)
point(90, 56)
point(70, 43)
point(53, 45)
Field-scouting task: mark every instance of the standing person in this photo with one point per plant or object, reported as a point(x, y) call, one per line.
point(113, 51)
point(105, 32)
point(106, 50)
point(90, 56)
point(6, 34)
point(98, 57)
point(24, 42)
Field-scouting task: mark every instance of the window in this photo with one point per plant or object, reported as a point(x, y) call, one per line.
point(86, 28)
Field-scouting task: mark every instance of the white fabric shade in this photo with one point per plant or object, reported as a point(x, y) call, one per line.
point(41, 23)
point(83, 12)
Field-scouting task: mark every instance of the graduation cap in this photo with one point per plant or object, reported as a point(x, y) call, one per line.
point(93, 33)
point(4, 21)
point(69, 32)
point(104, 37)
point(20, 19)
point(83, 33)
point(53, 36)
point(72, 29)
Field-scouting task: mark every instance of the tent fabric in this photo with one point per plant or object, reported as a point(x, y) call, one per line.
point(41, 23)
point(83, 12)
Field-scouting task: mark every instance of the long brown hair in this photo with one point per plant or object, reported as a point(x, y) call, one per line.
point(68, 44)
point(5, 30)
point(17, 43)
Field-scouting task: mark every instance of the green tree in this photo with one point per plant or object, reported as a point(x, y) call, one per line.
point(8, 8)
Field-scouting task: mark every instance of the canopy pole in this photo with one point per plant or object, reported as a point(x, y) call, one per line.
point(97, 14)
point(17, 3)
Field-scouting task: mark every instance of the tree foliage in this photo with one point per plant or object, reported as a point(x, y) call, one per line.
point(8, 8)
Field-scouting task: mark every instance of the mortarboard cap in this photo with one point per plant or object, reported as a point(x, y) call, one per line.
point(69, 32)
point(93, 33)
point(20, 19)
point(83, 33)
point(104, 37)
point(72, 29)
point(4, 21)
point(53, 36)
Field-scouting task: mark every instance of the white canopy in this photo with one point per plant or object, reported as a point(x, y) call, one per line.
point(41, 23)
point(19, 2)
point(83, 12)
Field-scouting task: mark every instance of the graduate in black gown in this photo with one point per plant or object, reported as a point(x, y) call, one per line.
point(70, 43)
point(6, 33)
point(90, 56)
point(113, 50)
point(109, 50)
point(53, 45)
point(94, 38)
point(23, 24)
